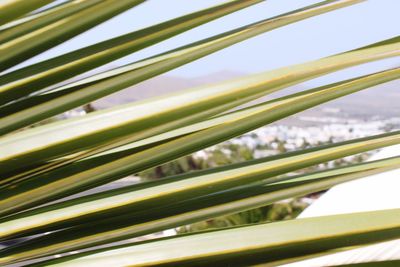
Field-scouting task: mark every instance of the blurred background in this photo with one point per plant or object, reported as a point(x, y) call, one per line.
point(370, 112)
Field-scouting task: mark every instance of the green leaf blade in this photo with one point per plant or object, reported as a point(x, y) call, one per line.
point(13, 9)
point(281, 240)
point(40, 75)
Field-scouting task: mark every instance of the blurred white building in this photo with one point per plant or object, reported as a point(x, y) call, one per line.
point(376, 192)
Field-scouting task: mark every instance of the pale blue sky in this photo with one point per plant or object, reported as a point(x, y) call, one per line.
point(324, 35)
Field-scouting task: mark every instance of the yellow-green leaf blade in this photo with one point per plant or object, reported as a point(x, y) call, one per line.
point(44, 18)
point(190, 211)
point(13, 9)
point(170, 191)
point(40, 75)
point(132, 158)
point(258, 244)
point(36, 42)
point(175, 110)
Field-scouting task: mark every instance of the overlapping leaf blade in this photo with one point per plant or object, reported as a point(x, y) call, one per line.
point(13, 9)
point(36, 42)
point(36, 108)
point(44, 18)
point(53, 161)
point(152, 197)
point(282, 240)
point(188, 211)
point(132, 158)
point(135, 121)
point(40, 75)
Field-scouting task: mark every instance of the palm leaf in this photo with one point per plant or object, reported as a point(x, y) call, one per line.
point(135, 121)
point(13, 9)
point(220, 248)
point(36, 21)
point(40, 75)
point(34, 43)
point(132, 158)
point(193, 186)
point(61, 99)
point(189, 211)
point(59, 159)
point(249, 118)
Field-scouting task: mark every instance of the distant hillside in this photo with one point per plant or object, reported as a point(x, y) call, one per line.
point(382, 100)
point(161, 85)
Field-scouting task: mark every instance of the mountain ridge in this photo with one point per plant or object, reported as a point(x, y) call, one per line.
point(382, 100)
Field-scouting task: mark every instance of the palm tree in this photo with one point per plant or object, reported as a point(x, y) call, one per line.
point(51, 161)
